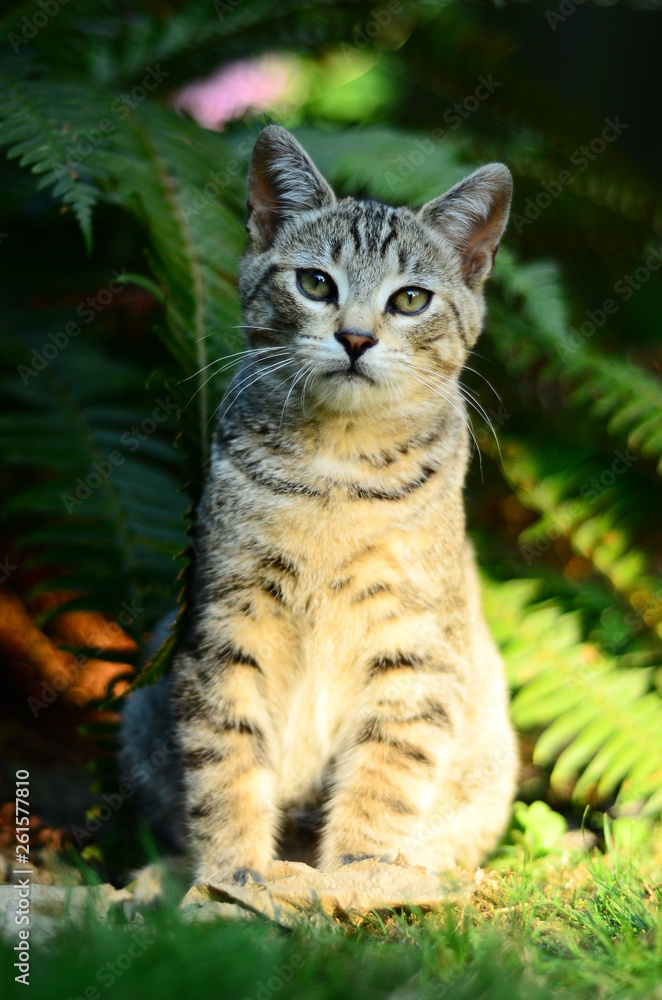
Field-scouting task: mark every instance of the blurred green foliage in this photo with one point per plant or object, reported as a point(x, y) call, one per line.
point(394, 101)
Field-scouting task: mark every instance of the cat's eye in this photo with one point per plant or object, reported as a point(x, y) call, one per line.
point(316, 285)
point(410, 300)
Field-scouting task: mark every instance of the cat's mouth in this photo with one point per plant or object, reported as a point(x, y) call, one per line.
point(350, 374)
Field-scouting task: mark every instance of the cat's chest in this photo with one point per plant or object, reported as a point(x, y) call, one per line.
point(326, 535)
point(323, 506)
point(310, 537)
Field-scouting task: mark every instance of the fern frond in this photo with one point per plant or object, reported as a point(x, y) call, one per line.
point(33, 123)
point(110, 518)
point(602, 721)
point(626, 397)
point(174, 178)
point(596, 530)
point(162, 169)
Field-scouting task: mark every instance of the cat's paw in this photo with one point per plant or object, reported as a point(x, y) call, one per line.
point(340, 860)
point(348, 859)
point(243, 875)
point(229, 871)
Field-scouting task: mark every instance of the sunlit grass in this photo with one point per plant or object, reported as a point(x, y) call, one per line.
point(564, 924)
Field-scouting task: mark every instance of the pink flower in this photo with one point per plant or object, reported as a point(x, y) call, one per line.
point(250, 85)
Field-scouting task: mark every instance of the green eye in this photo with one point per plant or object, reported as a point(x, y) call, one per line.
point(410, 300)
point(316, 285)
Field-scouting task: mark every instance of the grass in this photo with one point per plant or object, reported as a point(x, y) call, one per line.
point(563, 924)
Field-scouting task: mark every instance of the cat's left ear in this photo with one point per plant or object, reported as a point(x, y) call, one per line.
point(472, 217)
point(282, 181)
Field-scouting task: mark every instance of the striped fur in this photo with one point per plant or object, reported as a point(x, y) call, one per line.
point(336, 643)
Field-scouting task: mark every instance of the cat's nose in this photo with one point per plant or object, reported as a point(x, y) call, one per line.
point(355, 343)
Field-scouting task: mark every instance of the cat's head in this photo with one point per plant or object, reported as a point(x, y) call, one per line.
point(356, 300)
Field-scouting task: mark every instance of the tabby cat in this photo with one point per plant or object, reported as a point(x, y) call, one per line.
point(336, 647)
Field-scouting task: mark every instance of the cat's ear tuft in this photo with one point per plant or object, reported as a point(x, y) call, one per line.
point(282, 182)
point(472, 217)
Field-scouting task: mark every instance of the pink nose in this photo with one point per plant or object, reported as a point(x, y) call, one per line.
point(355, 343)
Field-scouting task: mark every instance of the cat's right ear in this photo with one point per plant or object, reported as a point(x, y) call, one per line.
point(472, 217)
point(282, 182)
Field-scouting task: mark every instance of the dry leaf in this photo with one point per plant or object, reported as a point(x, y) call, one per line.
point(291, 889)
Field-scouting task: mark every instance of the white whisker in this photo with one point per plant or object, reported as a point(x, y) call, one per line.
point(256, 326)
point(201, 387)
point(295, 379)
point(245, 384)
point(466, 395)
point(487, 381)
point(400, 396)
point(228, 362)
point(313, 372)
point(462, 414)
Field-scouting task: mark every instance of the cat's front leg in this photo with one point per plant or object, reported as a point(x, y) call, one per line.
point(387, 779)
point(228, 777)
